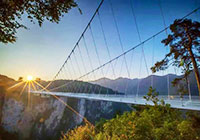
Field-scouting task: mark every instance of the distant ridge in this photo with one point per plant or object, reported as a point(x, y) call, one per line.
point(114, 86)
point(6, 81)
point(159, 82)
point(65, 86)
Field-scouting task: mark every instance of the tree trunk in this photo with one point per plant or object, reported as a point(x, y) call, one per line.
point(196, 71)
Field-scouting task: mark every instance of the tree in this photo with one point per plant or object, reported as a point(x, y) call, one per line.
point(184, 43)
point(20, 79)
point(157, 122)
point(85, 132)
point(38, 79)
point(11, 12)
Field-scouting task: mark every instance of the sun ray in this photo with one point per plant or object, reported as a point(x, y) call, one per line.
point(68, 106)
point(33, 86)
point(36, 87)
point(43, 88)
point(23, 89)
point(48, 84)
point(15, 85)
point(28, 94)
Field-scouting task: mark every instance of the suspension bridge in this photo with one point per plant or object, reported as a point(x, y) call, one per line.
point(96, 55)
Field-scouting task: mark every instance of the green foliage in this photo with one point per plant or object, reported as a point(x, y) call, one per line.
point(152, 96)
point(85, 132)
point(11, 12)
point(99, 125)
point(158, 122)
point(121, 127)
point(187, 132)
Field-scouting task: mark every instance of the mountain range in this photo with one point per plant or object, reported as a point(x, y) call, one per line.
point(130, 86)
point(79, 87)
point(57, 86)
point(110, 86)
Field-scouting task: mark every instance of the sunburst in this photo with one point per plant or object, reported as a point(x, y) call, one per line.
point(29, 78)
point(30, 83)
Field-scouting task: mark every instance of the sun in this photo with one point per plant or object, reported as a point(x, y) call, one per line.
point(29, 78)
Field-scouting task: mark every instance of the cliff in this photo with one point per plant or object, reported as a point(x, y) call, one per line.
point(46, 117)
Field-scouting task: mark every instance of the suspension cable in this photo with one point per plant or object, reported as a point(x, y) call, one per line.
point(163, 18)
point(94, 42)
point(81, 56)
point(80, 37)
point(87, 51)
point(106, 43)
point(130, 67)
point(139, 36)
point(152, 79)
point(79, 70)
point(129, 50)
point(118, 33)
point(105, 40)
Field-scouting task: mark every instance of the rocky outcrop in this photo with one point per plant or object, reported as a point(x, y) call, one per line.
point(47, 117)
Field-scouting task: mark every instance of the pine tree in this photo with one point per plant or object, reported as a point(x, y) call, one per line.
point(184, 43)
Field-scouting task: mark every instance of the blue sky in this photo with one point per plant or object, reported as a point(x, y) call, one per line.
point(41, 51)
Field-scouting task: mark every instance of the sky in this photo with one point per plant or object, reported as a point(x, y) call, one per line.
point(41, 51)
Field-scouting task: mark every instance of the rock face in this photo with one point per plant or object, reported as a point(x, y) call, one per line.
point(46, 117)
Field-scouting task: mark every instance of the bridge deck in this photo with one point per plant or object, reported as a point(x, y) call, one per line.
point(193, 104)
